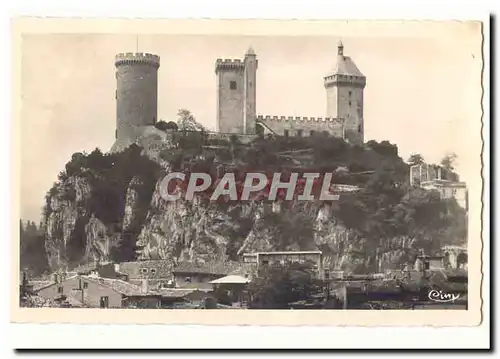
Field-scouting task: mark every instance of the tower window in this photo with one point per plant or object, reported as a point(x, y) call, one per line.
point(359, 128)
point(350, 93)
point(232, 85)
point(349, 103)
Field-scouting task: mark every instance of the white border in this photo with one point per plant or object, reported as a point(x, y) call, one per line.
point(154, 336)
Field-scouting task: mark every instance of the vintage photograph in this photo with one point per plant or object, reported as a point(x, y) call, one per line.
point(335, 171)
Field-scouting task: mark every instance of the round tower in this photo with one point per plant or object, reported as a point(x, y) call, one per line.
point(136, 93)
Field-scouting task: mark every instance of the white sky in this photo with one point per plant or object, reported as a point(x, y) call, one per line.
point(422, 93)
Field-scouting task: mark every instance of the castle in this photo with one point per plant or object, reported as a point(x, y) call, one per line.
point(137, 100)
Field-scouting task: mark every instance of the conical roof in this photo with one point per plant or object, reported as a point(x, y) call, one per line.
point(344, 65)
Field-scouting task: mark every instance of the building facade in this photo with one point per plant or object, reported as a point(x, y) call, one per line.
point(437, 178)
point(137, 100)
point(263, 259)
point(236, 102)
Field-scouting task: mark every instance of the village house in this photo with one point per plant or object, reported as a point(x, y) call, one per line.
point(199, 275)
point(150, 274)
point(314, 258)
point(97, 292)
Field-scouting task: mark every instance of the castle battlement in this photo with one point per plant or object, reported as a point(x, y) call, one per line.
point(349, 80)
point(229, 64)
point(128, 58)
point(266, 118)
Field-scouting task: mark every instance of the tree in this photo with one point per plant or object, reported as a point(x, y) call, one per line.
point(278, 286)
point(187, 122)
point(416, 159)
point(165, 126)
point(449, 161)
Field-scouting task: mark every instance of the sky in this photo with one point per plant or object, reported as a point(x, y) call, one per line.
point(422, 92)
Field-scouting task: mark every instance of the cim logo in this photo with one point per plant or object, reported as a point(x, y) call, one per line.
point(439, 296)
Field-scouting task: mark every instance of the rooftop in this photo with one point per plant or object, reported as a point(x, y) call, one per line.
point(216, 267)
point(117, 285)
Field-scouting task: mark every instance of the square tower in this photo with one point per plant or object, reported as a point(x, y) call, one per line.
point(344, 96)
point(236, 94)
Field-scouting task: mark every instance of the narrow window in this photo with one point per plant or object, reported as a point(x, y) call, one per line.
point(153, 271)
point(232, 85)
point(349, 103)
point(85, 285)
point(350, 93)
point(359, 128)
point(427, 265)
point(60, 289)
point(104, 302)
point(144, 270)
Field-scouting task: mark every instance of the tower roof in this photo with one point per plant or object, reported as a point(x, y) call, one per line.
point(250, 51)
point(345, 65)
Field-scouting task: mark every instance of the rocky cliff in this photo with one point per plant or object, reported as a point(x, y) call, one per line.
point(117, 213)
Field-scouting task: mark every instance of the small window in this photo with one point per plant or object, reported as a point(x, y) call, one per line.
point(350, 93)
point(427, 265)
point(188, 280)
point(359, 128)
point(286, 133)
point(299, 133)
point(349, 103)
point(232, 85)
point(60, 289)
point(85, 285)
point(144, 270)
point(152, 271)
point(104, 302)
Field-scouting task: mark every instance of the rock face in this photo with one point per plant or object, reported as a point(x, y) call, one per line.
point(200, 231)
point(143, 225)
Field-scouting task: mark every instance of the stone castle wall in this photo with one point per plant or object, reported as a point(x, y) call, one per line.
point(303, 126)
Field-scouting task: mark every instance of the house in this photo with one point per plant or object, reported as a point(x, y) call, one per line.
point(234, 286)
point(199, 275)
point(97, 292)
point(428, 262)
point(174, 297)
point(260, 259)
point(156, 274)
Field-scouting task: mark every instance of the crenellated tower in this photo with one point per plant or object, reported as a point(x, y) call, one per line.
point(344, 96)
point(136, 94)
point(236, 94)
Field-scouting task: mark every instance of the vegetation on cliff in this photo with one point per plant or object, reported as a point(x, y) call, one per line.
point(384, 216)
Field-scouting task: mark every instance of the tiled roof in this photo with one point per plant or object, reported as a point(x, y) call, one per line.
point(218, 268)
point(163, 269)
point(345, 66)
point(117, 285)
point(176, 292)
point(39, 285)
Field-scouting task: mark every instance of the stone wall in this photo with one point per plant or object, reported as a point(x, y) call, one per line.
point(303, 126)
